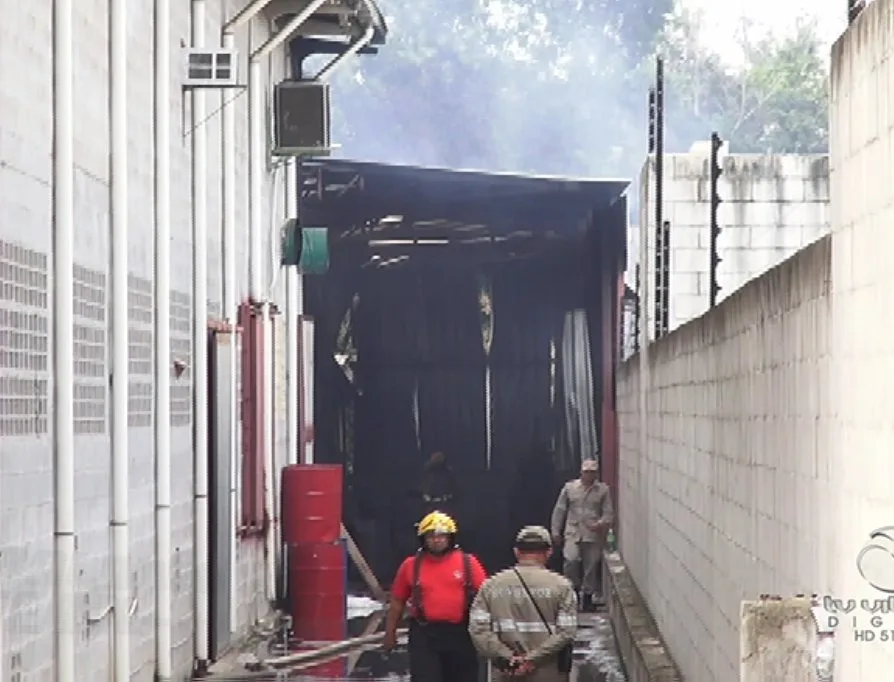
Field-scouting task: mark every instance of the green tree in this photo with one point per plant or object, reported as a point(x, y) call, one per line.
point(784, 96)
point(509, 85)
point(560, 87)
point(775, 102)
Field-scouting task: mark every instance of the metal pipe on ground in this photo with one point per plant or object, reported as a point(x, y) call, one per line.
point(329, 650)
point(305, 659)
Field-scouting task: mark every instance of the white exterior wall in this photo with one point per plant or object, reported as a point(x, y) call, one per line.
point(725, 485)
point(772, 206)
point(755, 440)
point(862, 427)
point(26, 487)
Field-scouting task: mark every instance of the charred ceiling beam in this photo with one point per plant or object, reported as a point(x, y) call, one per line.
point(336, 170)
point(324, 185)
point(456, 234)
point(450, 251)
point(442, 205)
point(496, 219)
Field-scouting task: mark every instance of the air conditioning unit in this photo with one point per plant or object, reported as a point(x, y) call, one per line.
point(209, 68)
point(301, 119)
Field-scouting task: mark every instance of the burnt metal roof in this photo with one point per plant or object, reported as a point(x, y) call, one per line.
point(392, 212)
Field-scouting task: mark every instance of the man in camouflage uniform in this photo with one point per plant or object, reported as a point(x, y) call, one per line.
point(581, 519)
point(524, 619)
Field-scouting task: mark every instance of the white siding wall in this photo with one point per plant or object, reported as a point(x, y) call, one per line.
point(26, 502)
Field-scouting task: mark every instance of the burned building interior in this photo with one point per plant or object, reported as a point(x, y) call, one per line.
point(463, 312)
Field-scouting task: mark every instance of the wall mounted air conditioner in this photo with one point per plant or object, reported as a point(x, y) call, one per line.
point(209, 68)
point(301, 119)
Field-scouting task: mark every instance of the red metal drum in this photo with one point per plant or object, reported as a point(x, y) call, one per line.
point(311, 503)
point(318, 591)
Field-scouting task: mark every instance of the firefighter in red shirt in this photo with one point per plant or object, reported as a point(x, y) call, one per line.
point(439, 582)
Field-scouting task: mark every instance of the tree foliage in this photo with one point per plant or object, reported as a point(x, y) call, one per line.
point(776, 102)
point(560, 86)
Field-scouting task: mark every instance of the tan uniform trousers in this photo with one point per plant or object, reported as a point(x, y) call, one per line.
point(549, 673)
point(581, 563)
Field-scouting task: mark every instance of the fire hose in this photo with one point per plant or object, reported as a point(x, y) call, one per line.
point(280, 667)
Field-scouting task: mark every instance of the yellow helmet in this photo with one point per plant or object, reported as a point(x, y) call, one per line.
point(436, 522)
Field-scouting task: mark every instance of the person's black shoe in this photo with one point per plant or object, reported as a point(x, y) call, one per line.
point(586, 603)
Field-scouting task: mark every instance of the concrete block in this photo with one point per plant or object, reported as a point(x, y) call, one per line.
point(752, 214)
point(680, 189)
point(685, 283)
point(691, 214)
point(687, 166)
point(778, 641)
point(685, 237)
point(688, 261)
point(645, 657)
point(778, 189)
point(804, 165)
point(789, 237)
point(817, 189)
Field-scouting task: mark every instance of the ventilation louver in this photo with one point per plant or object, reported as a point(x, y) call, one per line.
point(301, 119)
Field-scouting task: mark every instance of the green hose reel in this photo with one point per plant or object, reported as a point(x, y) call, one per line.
point(306, 248)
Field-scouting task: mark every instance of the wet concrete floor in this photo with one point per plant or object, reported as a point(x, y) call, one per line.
point(596, 658)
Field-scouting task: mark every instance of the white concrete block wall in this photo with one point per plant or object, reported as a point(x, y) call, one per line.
point(862, 427)
point(26, 504)
point(725, 479)
point(772, 206)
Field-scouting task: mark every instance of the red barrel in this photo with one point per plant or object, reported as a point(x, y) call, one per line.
point(317, 591)
point(311, 503)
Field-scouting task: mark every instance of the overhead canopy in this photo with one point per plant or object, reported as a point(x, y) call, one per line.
point(382, 214)
point(337, 18)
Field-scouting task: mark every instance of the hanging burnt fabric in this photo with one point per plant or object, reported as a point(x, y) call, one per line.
point(486, 309)
point(577, 367)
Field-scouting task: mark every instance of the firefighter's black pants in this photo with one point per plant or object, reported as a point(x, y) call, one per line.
point(441, 652)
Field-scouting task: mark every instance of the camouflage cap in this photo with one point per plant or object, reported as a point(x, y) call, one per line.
point(533, 535)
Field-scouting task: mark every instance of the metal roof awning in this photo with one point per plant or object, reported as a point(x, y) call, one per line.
point(395, 212)
point(335, 18)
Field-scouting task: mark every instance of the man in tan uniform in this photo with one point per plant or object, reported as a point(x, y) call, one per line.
point(580, 522)
point(524, 619)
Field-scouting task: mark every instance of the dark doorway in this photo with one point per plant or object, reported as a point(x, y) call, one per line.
point(220, 378)
point(441, 327)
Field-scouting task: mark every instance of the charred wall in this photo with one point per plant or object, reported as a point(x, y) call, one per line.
point(421, 358)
